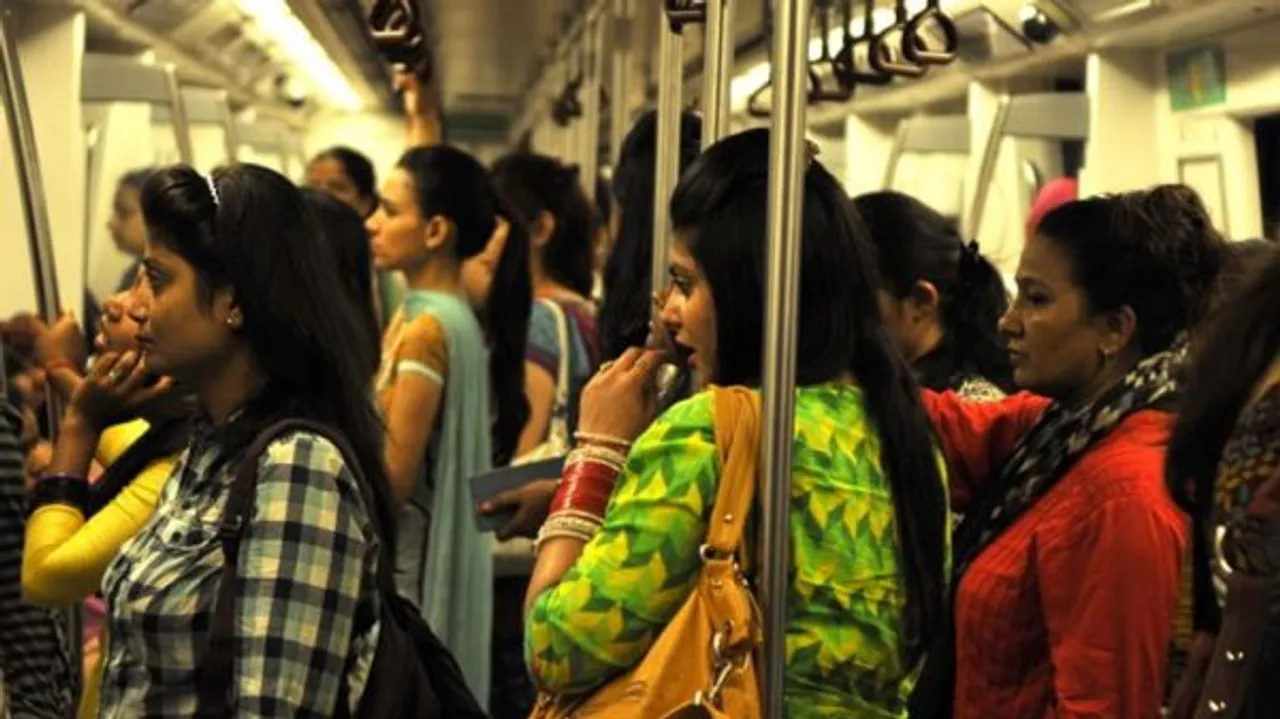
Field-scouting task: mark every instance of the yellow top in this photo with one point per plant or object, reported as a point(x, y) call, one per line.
point(64, 556)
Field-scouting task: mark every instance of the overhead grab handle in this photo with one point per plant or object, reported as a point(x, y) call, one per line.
point(397, 33)
point(568, 107)
point(685, 12)
point(817, 91)
point(886, 54)
point(846, 61)
point(915, 44)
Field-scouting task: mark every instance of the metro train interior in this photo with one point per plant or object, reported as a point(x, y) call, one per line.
point(993, 106)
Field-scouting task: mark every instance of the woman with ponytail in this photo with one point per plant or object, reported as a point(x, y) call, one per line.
point(562, 326)
point(940, 297)
point(438, 209)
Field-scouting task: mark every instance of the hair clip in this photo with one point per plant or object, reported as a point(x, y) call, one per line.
point(811, 151)
point(213, 190)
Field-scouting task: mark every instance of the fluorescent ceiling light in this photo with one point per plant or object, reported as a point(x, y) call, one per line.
point(278, 22)
point(750, 80)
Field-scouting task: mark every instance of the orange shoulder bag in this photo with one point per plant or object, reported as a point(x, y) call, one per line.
point(703, 664)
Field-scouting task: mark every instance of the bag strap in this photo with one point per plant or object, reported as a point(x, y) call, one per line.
point(214, 684)
point(566, 349)
point(737, 431)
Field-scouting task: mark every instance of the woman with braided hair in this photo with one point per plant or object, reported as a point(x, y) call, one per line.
point(1066, 567)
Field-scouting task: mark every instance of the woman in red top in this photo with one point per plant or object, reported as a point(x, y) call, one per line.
point(1066, 567)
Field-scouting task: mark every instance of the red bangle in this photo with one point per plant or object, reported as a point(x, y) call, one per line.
point(585, 487)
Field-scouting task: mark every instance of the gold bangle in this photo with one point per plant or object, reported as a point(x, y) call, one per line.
point(603, 439)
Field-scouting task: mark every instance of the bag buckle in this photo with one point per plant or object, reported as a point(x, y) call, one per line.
point(725, 667)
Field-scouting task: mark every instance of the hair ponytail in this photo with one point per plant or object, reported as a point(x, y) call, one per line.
point(506, 325)
point(915, 243)
point(971, 317)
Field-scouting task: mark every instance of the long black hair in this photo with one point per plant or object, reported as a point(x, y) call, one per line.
point(344, 233)
point(915, 243)
point(1235, 350)
point(453, 184)
point(625, 313)
point(535, 184)
point(258, 238)
point(718, 211)
point(1238, 347)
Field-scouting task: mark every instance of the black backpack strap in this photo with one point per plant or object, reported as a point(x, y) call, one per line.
point(214, 683)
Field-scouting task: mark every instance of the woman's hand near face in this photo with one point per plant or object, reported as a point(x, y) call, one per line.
point(621, 400)
point(116, 388)
point(63, 341)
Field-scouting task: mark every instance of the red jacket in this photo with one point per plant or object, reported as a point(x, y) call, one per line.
point(1069, 612)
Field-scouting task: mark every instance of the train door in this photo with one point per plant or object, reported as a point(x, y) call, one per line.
point(121, 94)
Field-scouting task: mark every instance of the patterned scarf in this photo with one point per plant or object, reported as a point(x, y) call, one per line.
point(1058, 440)
point(1042, 457)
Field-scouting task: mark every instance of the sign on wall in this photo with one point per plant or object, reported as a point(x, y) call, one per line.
point(1197, 77)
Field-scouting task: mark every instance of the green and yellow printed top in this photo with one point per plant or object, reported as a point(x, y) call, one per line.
point(847, 594)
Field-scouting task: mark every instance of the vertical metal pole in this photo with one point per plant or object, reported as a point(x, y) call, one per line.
point(717, 70)
point(593, 44)
point(178, 115)
point(34, 209)
point(667, 169)
point(990, 153)
point(787, 163)
point(35, 213)
point(620, 76)
point(573, 66)
point(228, 126)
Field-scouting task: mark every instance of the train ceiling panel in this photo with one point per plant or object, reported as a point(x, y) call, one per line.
point(485, 50)
point(265, 52)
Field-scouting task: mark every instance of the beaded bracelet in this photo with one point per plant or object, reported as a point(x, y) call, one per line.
point(599, 455)
point(567, 525)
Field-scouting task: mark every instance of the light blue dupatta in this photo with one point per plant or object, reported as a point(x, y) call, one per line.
point(456, 591)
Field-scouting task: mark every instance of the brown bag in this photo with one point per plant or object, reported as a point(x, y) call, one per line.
point(1222, 671)
point(704, 662)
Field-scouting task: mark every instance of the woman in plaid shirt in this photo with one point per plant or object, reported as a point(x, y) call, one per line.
point(237, 306)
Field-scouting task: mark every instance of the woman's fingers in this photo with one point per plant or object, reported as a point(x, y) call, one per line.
point(136, 377)
point(103, 365)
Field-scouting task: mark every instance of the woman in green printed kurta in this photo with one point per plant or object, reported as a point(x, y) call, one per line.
point(868, 521)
